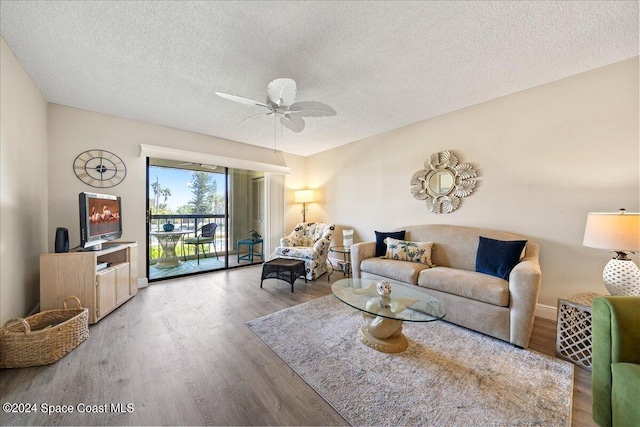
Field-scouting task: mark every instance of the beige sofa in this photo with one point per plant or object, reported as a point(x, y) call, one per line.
point(503, 309)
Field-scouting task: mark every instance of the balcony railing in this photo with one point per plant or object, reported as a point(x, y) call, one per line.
point(192, 223)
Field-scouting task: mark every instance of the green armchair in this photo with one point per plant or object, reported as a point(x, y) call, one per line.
point(616, 361)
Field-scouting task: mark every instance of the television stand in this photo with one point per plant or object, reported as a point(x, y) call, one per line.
point(101, 290)
point(94, 248)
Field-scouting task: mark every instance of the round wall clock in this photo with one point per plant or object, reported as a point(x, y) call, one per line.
point(99, 168)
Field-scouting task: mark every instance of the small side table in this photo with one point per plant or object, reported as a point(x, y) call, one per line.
point(345, 265)
point(283, 269)
point(168, 241)
point(573, 339)
point(252, 253)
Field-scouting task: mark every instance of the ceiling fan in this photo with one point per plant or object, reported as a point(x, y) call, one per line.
point(281, 97)
point(201, 165)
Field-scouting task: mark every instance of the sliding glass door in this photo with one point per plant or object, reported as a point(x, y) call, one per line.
point(202, 218)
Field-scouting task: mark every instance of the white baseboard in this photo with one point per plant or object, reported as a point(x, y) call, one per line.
point(143, 282)
point(546, 311)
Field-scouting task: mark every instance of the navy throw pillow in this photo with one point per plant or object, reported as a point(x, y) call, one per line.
point(381, 246)
point(498, 257)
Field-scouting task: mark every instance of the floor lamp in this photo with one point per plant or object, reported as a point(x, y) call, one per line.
point(304, 197)
point(619, 233)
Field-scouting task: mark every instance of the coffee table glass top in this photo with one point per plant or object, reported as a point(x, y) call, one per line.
point(403, 303)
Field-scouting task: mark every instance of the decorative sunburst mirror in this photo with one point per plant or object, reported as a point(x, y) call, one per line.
point(443, 182)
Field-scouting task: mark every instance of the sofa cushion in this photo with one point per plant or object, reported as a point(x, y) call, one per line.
point(498, 257)
point(624, 394)
point(297, 252)
point(467, 284)
point(381, 246)
point(404, 250)
point(402, 271)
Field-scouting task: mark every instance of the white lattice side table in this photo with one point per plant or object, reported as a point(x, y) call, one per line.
point(573, 339)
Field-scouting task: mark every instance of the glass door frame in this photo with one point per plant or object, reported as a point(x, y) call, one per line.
point(226, 218)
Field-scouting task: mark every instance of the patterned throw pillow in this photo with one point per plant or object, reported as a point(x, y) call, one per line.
point(404, 250)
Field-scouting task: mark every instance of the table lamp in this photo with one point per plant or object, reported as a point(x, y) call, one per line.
point(304, 197)
point(620, 233)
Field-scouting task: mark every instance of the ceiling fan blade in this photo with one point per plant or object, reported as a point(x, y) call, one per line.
point(311, 109)
point(241, 100)
point(253, 116)
point(282, 92)
point(294, 123)
point(202, 165)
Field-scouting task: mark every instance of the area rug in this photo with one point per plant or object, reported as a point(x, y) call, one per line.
point(449, 376)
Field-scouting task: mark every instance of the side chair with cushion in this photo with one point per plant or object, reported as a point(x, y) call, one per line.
point(615, 375)
point(206, 235)
point(310, 243)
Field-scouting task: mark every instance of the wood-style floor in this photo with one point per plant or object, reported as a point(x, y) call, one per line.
point(179, 353)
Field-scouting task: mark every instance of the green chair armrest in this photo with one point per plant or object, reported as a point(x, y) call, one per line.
point(615, 338)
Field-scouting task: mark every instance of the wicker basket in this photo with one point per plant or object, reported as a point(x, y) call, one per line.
point(43, 338)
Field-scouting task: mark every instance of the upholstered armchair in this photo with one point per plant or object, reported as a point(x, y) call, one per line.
point(615, 375)
point(310, 243)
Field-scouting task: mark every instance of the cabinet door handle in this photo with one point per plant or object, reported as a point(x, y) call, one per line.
point(97, 296)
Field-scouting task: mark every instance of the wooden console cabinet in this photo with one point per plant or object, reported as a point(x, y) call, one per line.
point(76, 273)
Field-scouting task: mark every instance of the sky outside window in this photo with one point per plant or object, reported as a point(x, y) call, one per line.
point(179, 182)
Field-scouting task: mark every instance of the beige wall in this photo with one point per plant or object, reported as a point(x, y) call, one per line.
point(545, 157)
point(296, 181)
point(23, 187)
point(72, 131)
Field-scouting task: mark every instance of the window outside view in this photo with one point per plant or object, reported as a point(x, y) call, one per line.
point(187, 221)
point(191, 228)
point(179, 191)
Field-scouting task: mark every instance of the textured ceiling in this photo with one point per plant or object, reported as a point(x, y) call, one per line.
point(380, 65)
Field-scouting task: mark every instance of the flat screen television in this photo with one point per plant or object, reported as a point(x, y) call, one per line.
point(100, 219)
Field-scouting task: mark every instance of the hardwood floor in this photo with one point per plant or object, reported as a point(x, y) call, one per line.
point(180, 354)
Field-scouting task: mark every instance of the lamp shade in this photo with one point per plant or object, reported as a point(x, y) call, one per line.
point(613, 231)
point(303, 196)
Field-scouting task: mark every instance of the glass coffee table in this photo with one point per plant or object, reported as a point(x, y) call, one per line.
point(384, 308)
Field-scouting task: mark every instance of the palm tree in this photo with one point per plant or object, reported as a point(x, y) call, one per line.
point(156, 193)
point(165, 192)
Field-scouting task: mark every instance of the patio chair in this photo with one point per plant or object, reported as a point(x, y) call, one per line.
point(205, 235)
